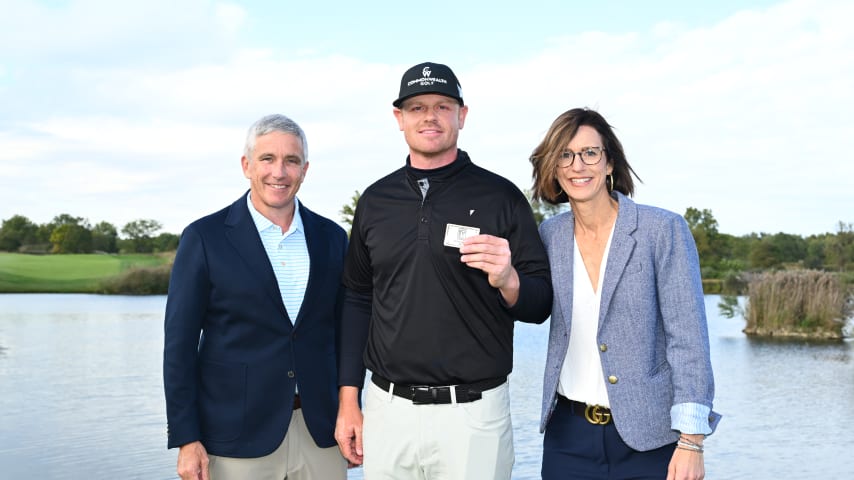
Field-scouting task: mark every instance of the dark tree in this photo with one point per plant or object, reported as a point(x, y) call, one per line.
point(840, 247)
point(348, 210)
point(139, 233)
point(16, 232)
point(69, 238)
point(773, 251)
point(68, 234)
point(105, 238)
point(710, 247)
point(543, 210)
point(165, 242)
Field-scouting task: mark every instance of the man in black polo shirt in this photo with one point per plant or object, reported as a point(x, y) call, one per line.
point(432, 291)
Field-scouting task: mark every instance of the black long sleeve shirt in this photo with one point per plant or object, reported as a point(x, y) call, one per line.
point(413, 312)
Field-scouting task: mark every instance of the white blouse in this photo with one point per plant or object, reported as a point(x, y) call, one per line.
point(581, 376)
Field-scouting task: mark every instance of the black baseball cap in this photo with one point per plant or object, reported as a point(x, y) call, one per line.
point(429, 77)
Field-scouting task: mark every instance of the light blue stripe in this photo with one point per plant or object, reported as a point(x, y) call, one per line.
point(690, 418)
point(288, 254)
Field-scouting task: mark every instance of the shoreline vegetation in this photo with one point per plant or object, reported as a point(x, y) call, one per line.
point(795, 304)
point(796, 287)
point(98, 273)
point(800, 304)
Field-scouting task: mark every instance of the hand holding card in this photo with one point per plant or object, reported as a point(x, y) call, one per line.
point(455, 234)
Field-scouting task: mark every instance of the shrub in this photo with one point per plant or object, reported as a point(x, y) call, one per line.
point(734, 283)
point(140, 281)
point(712, 286)
point(804, 303)
point(35, 248)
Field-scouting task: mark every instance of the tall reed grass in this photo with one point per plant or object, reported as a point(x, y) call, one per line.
point(804, 303)
point(139, 281)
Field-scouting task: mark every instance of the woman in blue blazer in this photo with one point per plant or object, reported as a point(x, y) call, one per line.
point(628, 383)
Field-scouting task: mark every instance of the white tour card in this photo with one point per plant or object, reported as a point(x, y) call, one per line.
point(455, 234)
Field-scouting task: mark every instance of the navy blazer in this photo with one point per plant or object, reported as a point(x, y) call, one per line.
point(654, 344)
point(232, 354)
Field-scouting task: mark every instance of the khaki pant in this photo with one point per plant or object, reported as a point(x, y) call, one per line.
point(297, 458)
point(461, 441)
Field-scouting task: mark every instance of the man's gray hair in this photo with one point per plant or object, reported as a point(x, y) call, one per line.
point(274, 123)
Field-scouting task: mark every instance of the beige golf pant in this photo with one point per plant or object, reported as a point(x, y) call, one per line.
point(463, 441)
point(297, 458)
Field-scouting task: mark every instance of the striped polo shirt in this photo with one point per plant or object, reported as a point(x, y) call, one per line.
point(288, 254)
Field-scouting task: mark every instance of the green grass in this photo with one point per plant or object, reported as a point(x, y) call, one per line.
point(85, 273)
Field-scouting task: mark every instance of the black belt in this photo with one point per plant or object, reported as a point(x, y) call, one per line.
point(297, 402)
point(427, 395)
point(595, 414)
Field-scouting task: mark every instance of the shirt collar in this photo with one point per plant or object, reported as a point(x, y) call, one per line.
point(441, 173)
point(263, 223)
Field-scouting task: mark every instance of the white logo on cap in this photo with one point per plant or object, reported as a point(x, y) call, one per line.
point(426, 80)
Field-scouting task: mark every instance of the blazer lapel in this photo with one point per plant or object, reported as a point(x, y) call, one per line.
point(622, 245)
point(317, 249)
point(243, 234)
point(563, 249)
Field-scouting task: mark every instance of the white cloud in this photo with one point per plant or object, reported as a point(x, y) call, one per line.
point(232, 17)
point(747, 116)
point(719, 117)
point(156, 138)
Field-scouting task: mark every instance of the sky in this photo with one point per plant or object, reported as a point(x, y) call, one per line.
point(117, 111)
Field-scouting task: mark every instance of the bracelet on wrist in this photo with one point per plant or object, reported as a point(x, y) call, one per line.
point(683, 438)
point(689, 446)
point(695, 450)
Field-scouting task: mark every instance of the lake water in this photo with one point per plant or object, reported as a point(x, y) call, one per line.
point(81, 395)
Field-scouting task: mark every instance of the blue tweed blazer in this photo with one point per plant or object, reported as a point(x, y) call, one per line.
point(652, 320)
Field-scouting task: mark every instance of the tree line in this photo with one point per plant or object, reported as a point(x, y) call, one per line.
point(726, 257)
point(722, 256)
point(728, 261)
point(69, 234)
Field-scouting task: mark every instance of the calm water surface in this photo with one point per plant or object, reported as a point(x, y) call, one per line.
point(81, 395)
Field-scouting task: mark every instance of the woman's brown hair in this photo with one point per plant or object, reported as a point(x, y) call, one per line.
point(545, 157)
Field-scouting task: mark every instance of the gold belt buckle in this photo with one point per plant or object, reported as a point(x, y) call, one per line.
point(597, 415)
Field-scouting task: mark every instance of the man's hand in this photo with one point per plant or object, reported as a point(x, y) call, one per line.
point(492, 255)
point(193, 462)
point(348, 427)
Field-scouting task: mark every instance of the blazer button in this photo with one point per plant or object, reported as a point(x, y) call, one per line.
point(612, 379)
point(291, 374)
point(603, 348)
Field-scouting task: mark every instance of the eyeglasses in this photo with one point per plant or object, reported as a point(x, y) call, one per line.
point(589, 156)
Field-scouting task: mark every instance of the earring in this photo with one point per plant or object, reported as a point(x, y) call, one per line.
point(610, 183)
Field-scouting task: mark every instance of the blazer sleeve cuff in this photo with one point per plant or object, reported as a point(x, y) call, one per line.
point(693, 418)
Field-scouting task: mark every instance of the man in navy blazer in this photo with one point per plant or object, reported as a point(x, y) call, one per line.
point(252, 317)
